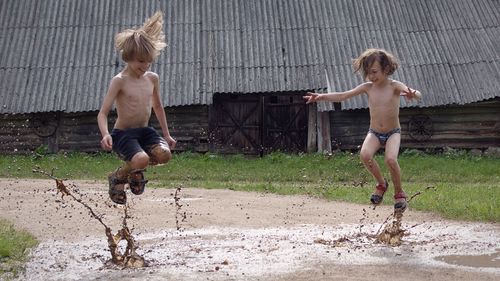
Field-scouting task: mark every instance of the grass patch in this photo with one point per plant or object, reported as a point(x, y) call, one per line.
point(14, 246)
point(465, 186)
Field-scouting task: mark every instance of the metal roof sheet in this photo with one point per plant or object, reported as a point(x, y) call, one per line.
point(58, 55)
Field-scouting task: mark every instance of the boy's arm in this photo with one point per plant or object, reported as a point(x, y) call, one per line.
point(160, 113)
point(337, 96)
point(102, 117)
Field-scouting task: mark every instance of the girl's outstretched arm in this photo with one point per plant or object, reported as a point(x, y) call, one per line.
point(408, 92)
point(336, 96)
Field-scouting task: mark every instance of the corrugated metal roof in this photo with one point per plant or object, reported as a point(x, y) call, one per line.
point(57, 55)
point(448, 49)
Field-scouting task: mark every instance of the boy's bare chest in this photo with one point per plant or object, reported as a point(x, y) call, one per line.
point(136, 93)
point(137, 90)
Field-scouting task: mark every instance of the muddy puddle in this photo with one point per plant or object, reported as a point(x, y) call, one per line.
point(478, 261)
point(225, 235)
point(257, 253)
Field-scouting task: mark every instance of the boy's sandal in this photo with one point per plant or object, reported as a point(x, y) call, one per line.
point(377, 199)
point(117, 189)
point(136, 181)
point(401, 204)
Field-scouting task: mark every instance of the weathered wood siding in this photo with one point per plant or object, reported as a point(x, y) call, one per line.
point(188, 125)
point(17, 134)
point(24, 133)
point(475, 125)
point(471, 126)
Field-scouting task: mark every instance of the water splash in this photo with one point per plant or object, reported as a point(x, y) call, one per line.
point(129, 257)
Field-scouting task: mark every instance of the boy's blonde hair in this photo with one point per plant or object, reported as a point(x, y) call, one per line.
point(143, 43)
point(387, 61)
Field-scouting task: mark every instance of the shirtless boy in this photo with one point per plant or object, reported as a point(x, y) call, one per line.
point(134, 92)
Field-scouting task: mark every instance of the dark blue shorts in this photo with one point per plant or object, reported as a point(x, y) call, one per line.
point(131, 141)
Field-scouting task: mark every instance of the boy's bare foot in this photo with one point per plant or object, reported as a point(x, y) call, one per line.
point(401, 204)
point(378, 194)
point(117, 188)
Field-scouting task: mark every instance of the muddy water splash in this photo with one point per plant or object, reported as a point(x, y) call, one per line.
point(129, 258)
point(392, 233)
point(180, 216)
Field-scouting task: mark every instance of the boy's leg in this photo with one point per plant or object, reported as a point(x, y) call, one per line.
point(159, 153)
point(153, 150)
point(126, 145)
point(131, 173)
point(139, 161)
point(156, 147)
point(135, 174)
point(117, 181)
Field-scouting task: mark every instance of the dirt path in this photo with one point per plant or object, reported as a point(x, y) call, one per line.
point(228, 235)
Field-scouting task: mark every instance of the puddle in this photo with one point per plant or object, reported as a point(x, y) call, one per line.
point(236, 253)
point(257, 253)
point(490, 260)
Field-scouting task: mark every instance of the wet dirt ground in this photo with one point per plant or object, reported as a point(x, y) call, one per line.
point(227, 235)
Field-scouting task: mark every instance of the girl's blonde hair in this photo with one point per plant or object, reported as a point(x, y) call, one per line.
point(387, 61)
point(143, 43)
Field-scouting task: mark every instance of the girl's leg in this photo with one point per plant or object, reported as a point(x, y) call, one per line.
point(391, 160)
point(370, 146)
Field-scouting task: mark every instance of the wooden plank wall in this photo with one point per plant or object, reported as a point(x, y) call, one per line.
point(467, 126)
point(470, 126)
point(188, 125)
point(21, 133)
point(17, 134)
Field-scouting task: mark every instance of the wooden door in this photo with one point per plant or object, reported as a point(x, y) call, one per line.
point(258, 124)
point(235, 125)
point(284, 123)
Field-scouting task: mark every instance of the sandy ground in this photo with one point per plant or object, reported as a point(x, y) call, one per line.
point(229, 235)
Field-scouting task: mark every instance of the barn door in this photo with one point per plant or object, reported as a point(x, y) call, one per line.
point(257, 124)
point(284, 123)
point(235, 125)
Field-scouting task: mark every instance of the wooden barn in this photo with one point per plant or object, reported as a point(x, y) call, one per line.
point(234, 72)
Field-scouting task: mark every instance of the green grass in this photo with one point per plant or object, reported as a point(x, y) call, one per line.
point(14, 246)
point(464, 186)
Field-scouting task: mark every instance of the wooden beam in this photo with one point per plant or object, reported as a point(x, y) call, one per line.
point(324, 140)
point(312, 130)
